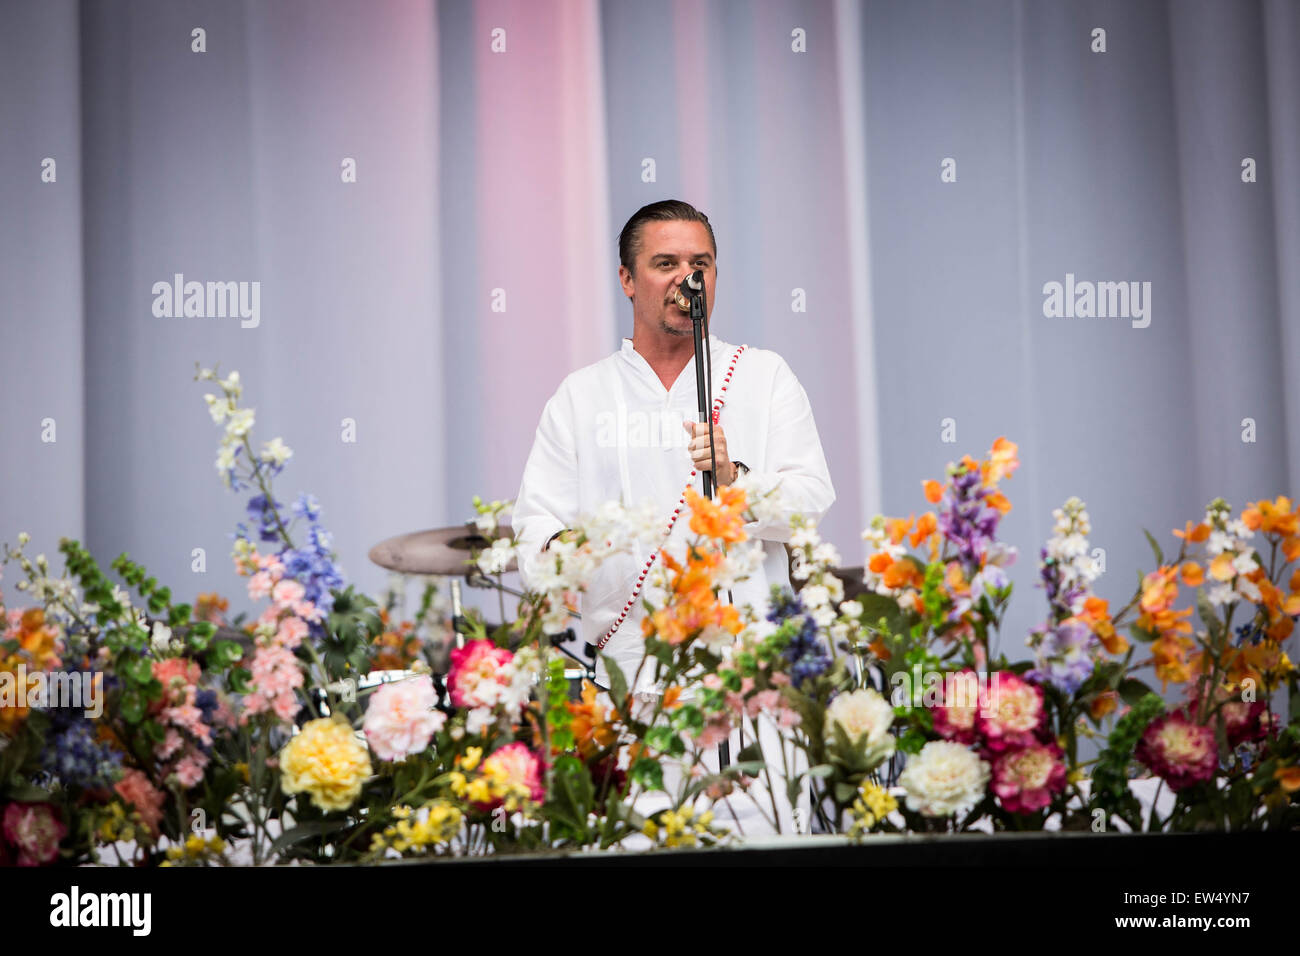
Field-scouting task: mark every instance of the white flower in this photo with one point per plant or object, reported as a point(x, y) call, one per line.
point(826, 555)
point(478, 720)
point(865, 717)
point(944, 778)
point(218, 408)
point(225, 457)
point(276, 451)
point(815, 596)
point(851, 609)
point(162, 636)
point(486, 523)
point(1219, 542)
point(1248, 589)
point(1244, 563)
point(805, 536)
point(716, 638)
point(241, 423)
point(231, 384)
point(497, 559)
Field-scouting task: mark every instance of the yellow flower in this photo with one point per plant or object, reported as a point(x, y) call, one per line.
point(472, 756)
point(326, 761)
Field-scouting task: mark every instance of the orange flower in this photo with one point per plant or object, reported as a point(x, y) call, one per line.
point(1170, 655)
point(1221, 568)
point(1002, 461)
point(933, 491)
point(1291, 547)
point(590, 726)
point(1096, 613)
point(1159, 590)
point(1288, 777)
point(722, 520)
point(1192, 575)
point(926, 525)
point(998, 500)
point(1193, 533)
point(671, 695)
point(898, 528)
point(1103, 704)
point(1273, 517)
point(879, 562)
point(903, 574)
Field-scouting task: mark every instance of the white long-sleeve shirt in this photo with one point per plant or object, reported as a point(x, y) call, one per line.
point(612, 432)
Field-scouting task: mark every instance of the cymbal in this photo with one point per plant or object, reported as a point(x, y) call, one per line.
point(437, 551)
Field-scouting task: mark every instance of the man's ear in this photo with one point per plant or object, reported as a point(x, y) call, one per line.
point(625, 279)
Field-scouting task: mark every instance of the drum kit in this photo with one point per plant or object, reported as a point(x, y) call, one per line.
point(451, 553)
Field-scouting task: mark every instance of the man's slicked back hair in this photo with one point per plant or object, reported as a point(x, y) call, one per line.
point(666, 210)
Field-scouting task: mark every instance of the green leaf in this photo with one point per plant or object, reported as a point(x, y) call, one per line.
point(1133, 690)
point(647, 774)
point(305, 830)
point(821, 770)
point(180, 615)
point(205, 629)
point(617, 683)
point(1155, 547)
point(751, 753)
point(225, 653)
point(239, 680)
point(1205, 610)
point(132, 706)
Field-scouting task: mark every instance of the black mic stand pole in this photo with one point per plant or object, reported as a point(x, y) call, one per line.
point(704, 393)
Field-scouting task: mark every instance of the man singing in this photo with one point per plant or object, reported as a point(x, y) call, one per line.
point(626, 429)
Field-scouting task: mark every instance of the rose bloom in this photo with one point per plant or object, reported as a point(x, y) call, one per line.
point(402, 718)
point(1024, 780)
point(1013, 713)
point(35, 830)
point(1180, 752)
point(865, 717)
point(944, 778)
point(326, 761)
point(479, 674)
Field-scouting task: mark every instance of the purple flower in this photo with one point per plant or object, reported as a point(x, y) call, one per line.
point(1064, 655)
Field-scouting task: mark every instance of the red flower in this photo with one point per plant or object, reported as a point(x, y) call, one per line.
point(1180, 752)
point(34, 830)
point(1013, 713)
point(1024, 780)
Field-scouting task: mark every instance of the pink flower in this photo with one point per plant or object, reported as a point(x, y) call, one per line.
point(276, 674)
point(287, 592)
point(402, 717)
point(176, 674)
point(35, 830)
point(763, 700)
point(715, 731)
point(1179, 751)
point(517, 767)
point(479, 674)
point(1013, 713)
point(955, 720)
point(1024, 780)
point(780, 679)
point(259, 585)
point(135, 789)
point(189, 769)
point(291, 632)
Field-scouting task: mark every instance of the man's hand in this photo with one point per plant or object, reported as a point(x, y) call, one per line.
point(699, 449)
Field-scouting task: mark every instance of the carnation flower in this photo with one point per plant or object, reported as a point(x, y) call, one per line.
point(1013, 713)
point(513, 773)
point(136, 790)
point(481, 673)
point(1179, 751)
point(865, 717)
point(955, 718)
point(34, 830)
point(326, 761)
point(402, 717)
point(1024, 780)
point(944, 778)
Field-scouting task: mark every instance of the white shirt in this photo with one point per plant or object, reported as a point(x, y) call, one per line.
point(612, 432)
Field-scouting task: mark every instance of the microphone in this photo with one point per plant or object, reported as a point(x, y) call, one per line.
point(692, 285)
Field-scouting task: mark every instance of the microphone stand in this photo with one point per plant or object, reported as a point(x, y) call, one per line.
point(704, 394)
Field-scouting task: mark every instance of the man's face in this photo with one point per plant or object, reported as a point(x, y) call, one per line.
point(669, 252)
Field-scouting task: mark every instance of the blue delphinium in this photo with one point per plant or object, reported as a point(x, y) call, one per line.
point(805, 653)
point(74, 756)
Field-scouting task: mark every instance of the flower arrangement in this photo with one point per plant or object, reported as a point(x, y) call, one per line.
point(327, 728)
